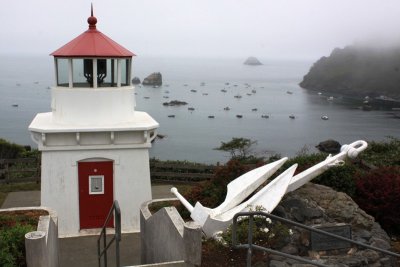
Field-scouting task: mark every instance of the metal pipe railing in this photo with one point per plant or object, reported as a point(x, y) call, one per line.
point(250, 246)
point(115, 210)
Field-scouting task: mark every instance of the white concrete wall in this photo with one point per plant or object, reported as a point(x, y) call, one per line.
point(92, 106)
point(60, 184)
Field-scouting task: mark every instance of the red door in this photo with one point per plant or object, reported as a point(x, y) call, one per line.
point(95, 193)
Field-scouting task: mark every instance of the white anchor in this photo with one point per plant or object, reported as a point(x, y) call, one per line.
point(219, 218)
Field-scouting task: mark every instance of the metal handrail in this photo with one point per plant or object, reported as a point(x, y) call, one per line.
point(250, 246)
point(117, 235)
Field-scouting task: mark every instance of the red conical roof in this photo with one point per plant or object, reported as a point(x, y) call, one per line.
point(92, 43)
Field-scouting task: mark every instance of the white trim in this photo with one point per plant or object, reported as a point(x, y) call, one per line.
point(96, 157)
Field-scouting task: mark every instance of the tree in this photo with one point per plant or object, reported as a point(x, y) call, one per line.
point(239, 148)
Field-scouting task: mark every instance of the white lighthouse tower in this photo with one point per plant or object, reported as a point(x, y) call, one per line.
point(94, 144)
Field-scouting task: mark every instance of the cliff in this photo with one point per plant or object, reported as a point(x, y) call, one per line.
point(357, 71)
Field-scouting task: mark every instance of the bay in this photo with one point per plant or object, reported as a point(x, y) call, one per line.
point(202, 82)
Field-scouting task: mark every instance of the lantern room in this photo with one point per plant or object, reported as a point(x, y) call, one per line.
point(94, 144)
point(92, 60)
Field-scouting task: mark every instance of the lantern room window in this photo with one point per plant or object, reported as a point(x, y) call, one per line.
point(62, 72)
point(93, 72)
point(125, 72)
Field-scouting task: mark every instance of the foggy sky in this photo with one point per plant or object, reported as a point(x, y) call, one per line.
point(203, 28)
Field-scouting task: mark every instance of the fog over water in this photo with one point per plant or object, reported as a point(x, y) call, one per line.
point(207, 28)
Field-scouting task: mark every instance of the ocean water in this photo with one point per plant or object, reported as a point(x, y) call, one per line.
point(192, 135)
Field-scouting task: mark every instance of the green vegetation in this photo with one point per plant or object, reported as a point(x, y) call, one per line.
point(266, 233)
point(12, 238)
point(357, 70)
point(240, 149)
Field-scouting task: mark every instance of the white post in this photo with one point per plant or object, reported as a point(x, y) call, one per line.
point(70, 73)
point(119, 73)
point(94, 73)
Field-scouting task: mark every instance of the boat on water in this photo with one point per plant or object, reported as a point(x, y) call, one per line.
point(325, 117)
point(265, 116)
point(253, 91)
point(191, 109)
point(330, 98)
point(211, 117)
point(289, 92)
point(239, 116)
point(223, 90)
point(194, 91)
point(254, 109)
point(238, 96)
point(15, 105)
point(171, 116)
point(292, 116)
point(227, 108)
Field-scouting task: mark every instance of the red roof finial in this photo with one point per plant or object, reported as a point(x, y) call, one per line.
point(92, 20)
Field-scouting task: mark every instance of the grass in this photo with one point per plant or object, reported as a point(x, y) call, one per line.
point(7, 188)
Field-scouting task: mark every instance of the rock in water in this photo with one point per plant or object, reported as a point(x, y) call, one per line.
point(252, 61)
point(135, 80)
point(329, 146)
point(153, 79)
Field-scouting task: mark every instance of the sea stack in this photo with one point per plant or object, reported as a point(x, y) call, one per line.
point(154, 79)
point(252, 61)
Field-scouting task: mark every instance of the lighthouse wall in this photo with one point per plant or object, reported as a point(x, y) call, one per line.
point(60, 187)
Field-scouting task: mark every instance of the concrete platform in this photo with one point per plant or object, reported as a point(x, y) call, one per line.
point(22, 199)
point(82, 250)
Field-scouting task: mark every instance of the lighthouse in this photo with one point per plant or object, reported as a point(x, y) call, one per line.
point(94, 144)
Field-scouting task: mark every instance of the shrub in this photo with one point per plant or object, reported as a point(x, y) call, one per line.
point(12, 245)
point(383, 153)
point(266, 233)
point(378, 193)
point(340, 178)
point(9, 150)
point(212, 193)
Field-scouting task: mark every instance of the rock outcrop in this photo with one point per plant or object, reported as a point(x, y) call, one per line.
point(315, 204)
point(329, 146)
point(175, 103)
point(154, 79)
point(252, 61)
point(136, 80)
